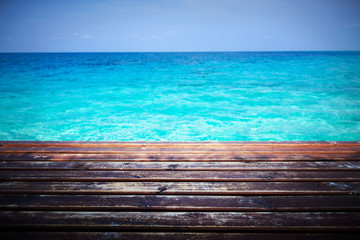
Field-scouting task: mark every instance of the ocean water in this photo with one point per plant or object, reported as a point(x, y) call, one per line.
point(222, 96)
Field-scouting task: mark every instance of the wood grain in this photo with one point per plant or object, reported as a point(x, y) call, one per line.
point(183, 188)
point(178, 203)
point(184, 176)
point(233, 221)
point(181, 166)
point(179, 190)
point(180, 157)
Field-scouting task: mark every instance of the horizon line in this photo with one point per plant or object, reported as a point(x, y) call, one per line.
point(183, 51)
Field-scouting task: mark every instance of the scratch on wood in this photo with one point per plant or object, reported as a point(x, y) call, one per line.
point(173, 167)
point(162, 189)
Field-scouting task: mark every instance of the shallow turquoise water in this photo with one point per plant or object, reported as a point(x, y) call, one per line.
point(230, 96)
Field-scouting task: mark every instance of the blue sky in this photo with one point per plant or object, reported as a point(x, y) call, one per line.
point(178, 25)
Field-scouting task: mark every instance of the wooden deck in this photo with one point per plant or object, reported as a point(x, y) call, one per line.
point(180, 190)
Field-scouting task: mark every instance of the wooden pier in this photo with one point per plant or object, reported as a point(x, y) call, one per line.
point(180, 190)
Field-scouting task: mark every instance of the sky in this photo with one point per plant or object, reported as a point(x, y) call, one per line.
point(178, 25)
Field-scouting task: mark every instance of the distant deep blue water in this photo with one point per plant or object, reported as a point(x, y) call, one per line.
point(232, 96)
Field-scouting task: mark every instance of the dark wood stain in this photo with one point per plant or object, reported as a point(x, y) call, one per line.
point(179, 190)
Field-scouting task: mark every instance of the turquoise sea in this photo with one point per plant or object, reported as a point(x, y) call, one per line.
point(216, 96)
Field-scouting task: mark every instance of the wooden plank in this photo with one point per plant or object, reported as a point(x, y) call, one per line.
point(181, 176)
point(226, 150)
point(178, 203)
point(177, 145)
point(204, 221)
point(176, 236)
point(179, 157)
point(186, 166)
point(172, 144)
point(182, 188)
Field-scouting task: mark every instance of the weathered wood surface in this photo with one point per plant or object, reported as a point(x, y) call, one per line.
point(182, 188)
point(203, 221)
point(185, 166)
point(176, 236)
point(179, 190)
point(183, 176)
point(181, 157)
point(10, 202)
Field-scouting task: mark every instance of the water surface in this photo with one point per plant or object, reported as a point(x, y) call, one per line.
point(232, 96)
